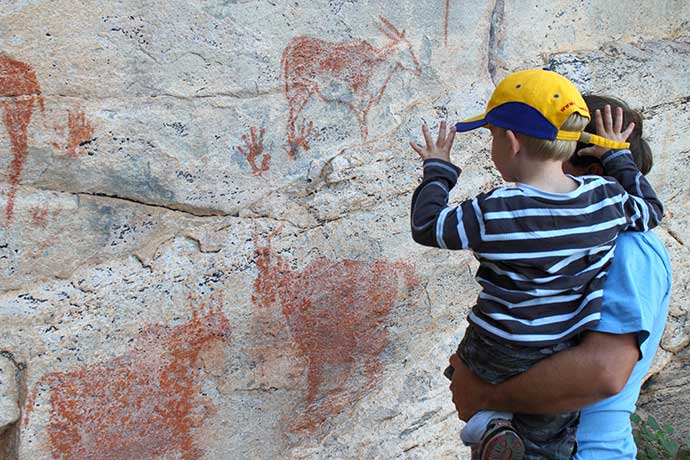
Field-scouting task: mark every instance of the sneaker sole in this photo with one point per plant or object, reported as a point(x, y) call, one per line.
point(504, 445)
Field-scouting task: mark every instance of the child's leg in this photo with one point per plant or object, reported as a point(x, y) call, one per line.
point(475, 353)
point(547, 436)
point(495, 361)
point(476, 426)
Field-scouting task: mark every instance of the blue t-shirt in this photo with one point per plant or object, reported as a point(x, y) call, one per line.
point(636, 298)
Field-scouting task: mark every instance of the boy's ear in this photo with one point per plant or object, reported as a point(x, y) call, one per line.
point(513, 142)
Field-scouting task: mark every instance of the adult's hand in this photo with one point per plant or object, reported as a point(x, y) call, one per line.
point(567, 381)
point(468, 390)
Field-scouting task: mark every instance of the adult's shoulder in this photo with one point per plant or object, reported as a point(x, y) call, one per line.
point(638, 282)
point(645, 245)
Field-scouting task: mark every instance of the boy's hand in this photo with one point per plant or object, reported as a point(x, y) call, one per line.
point(441, 148)
point(609, 128)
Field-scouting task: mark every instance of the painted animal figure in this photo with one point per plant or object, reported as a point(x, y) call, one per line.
point(138, 406)
point(354, 74)
point(336, 311)
point(19, 90)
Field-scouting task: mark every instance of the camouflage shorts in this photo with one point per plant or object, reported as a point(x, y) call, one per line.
point(546, 437)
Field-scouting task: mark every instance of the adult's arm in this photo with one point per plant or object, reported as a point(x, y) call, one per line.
point(597, 368)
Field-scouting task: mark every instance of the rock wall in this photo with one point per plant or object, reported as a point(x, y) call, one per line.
point(204, 244)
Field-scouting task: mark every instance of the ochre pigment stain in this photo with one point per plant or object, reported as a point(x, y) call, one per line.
point(39, 216)
point(19, 90)
point(139, 406)
point(79, 132)
point(345, 73)
point(336, 312)
point(253, 148)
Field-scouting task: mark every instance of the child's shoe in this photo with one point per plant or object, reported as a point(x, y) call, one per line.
point(500, 442)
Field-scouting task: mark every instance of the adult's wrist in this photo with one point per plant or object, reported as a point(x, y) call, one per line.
point(491, 398)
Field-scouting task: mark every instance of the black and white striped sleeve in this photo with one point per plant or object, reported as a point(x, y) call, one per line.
point(434, 223)
point(641, 206)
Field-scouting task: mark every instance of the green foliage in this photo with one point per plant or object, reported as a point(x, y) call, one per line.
point(654, 441)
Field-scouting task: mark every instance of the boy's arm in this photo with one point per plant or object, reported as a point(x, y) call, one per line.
point(641, 206)
point(436, 224)
point(433, 222)
point(569, 380)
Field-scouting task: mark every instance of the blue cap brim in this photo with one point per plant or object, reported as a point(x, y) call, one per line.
point(470, 125)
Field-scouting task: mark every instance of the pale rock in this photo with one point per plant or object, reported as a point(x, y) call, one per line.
point(9, 394)
point(213, 192)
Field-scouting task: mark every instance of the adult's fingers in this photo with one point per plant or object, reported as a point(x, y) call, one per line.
point(454, 360)
point(587, 151)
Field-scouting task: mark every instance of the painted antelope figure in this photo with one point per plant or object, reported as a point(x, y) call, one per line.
point(142, 405)
point(354, 74)
point(336, 312)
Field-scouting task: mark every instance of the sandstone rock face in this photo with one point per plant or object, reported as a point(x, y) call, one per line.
point(204, 228)
point(9, 395)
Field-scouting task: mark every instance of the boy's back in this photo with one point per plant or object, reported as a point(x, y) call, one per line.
point(543, 256)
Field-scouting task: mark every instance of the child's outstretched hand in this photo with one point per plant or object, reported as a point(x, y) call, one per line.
point(439, 149)
point(609, 128)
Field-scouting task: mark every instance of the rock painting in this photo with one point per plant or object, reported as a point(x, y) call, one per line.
point(79, 133)
point(252, 149)
point(354, 74)
point(19, 92)
point(39, 216)
point(143, 405)
point(336, 312)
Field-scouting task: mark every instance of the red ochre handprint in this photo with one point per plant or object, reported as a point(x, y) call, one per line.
point(80, 132)
point(298, 138)
point(253, 148)
point(354, 74)
point(143, 405)
point(39, 216)
point(336, 312)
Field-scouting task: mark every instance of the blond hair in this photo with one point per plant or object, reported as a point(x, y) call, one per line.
point(557, 150)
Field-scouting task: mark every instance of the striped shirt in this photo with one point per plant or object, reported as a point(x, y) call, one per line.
point(543, 256)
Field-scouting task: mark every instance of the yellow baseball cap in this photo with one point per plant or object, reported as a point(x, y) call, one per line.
point(536, 103)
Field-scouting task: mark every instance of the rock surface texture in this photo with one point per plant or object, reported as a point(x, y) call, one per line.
point(204, 214)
